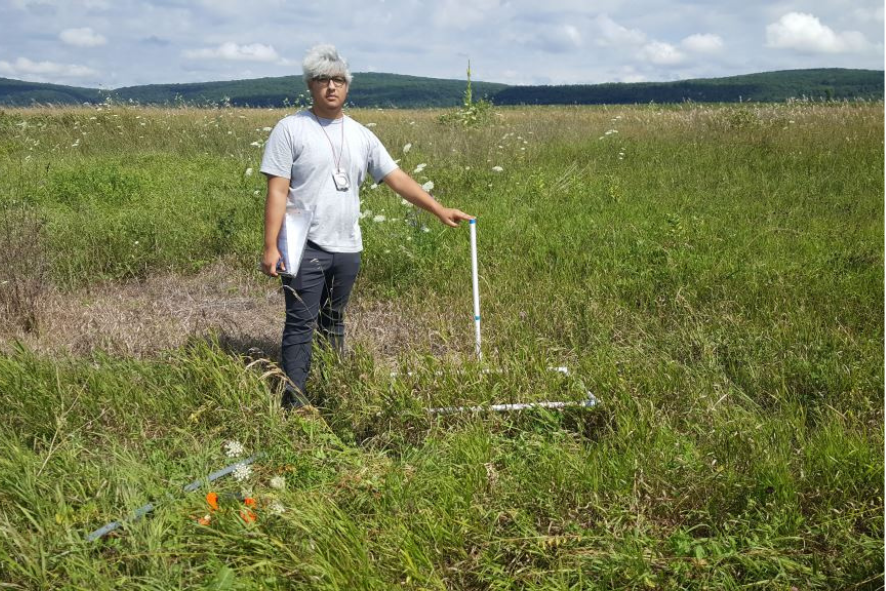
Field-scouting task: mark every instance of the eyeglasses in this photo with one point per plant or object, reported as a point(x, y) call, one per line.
point(337, 81)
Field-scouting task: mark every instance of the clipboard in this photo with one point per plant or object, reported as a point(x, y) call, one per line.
point(293, 237)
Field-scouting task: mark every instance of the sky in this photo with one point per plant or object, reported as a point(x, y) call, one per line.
point(115, 43)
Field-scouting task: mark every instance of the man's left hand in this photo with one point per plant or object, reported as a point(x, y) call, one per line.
point(453, 217)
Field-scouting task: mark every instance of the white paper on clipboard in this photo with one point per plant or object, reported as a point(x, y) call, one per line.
point(293, 236)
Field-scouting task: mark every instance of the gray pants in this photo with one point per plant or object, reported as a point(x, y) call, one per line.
point(316, 296)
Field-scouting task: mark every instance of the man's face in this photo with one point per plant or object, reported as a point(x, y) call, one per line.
point(329, 92)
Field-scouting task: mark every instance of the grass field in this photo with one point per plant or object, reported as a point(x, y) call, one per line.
point(713, 274)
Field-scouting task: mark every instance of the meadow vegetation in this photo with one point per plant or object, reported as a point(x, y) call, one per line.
point(713, 274)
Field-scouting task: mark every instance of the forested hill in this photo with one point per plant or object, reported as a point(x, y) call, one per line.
point(368, 90)
point(398, 91)
point(831, 83)
point(20, 93)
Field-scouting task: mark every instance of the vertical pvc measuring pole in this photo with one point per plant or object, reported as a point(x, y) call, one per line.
point(476, 283)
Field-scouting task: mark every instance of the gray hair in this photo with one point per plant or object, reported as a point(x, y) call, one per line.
point(324, 60)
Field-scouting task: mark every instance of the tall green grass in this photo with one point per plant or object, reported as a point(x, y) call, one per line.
point(713, 274)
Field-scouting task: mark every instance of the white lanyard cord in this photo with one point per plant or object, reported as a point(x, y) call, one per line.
point(331, 146)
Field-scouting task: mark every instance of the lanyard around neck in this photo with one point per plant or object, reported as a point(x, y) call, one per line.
point(331, 146)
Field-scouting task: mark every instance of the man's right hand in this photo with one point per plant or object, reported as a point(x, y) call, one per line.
point(270, 260)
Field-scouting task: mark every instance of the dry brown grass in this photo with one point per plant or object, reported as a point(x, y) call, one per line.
point(244, 312)
point(23, 280)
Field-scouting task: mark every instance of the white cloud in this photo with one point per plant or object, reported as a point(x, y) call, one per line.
point(461, 14)
point(612, 33)
point(84, 37)
point(629, 74)
point(661, 54)
point(550, 39)
point(702, 43)
point(631, 78)
point(573, 34)
point(865, 15)
point(88, 4)
point(23, 67)
point(804, 32)
point(255, 52)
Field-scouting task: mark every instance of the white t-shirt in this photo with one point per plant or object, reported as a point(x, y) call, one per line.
point(299, 150)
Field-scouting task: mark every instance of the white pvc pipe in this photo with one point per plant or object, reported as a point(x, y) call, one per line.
point(145, 509)
point(476, 283)
point(590, 402)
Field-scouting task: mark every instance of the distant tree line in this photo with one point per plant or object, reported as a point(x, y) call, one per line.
point(397, 91)
point(828, 84)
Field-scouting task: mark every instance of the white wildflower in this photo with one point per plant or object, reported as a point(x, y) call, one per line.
point(233, 449)
point(373, 186)
point(379, 218)
point(278, 482)
point(256, 144)
point(425, 229)
point(428, 186)
point(242, 472)
point(248, 172)
point(406, 148)
point(276, 508)
point(404, 202)
point(370, 125)
point(266, 129)
point(419, 168)
point(497, 168)
point(611, 131)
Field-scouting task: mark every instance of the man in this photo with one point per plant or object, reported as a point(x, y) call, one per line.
point(317, 160)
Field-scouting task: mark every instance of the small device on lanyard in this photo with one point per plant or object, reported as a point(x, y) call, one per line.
point(340, 178)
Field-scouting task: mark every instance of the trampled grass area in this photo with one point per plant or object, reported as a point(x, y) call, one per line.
point(713, 274)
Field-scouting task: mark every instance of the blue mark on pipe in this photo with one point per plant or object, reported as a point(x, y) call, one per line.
point(477, 317)
point(473, 221)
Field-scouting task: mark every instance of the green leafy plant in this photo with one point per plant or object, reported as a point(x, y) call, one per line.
point(472, 113)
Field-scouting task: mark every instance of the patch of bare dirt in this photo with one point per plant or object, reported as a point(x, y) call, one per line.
point(243, 312)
